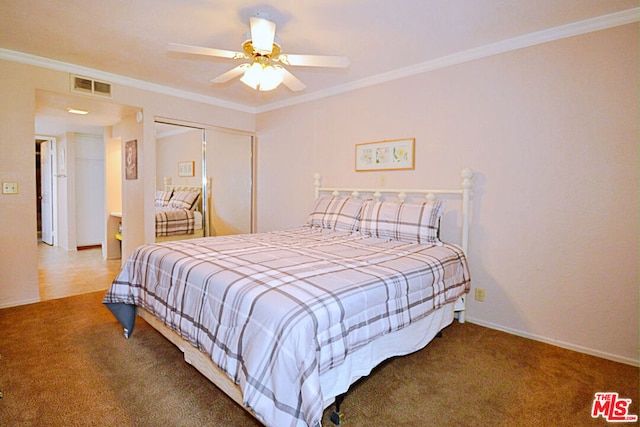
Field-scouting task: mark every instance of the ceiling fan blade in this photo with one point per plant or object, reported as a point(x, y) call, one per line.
point(234, 72)
point(314, 60)
point(263, 33)
point(206, 51)
point(290, 80)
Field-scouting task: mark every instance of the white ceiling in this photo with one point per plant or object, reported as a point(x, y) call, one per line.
point(128, 38)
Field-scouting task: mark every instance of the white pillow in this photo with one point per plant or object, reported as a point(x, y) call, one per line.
point(336, 214)
point(183, 199)
point(162, 198)
point(406, 222)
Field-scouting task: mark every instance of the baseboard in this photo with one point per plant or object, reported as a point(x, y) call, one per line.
point(17, 303)
point(561, 344)
point(82, 248)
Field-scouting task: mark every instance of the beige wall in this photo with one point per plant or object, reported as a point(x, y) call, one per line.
point(18, 225)
point(552, 134)
point(18, 235)
point(111, 249)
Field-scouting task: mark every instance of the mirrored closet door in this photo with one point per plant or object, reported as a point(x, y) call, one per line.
point(229, 163)
point(209, 169)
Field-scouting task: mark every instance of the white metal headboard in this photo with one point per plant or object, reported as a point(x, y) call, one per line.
point(430, 194)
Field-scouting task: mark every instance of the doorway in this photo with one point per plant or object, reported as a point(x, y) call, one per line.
point(46, 190)
point(74, 147)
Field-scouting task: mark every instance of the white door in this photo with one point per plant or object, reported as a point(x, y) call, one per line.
point(89, 190)
point(46, 182)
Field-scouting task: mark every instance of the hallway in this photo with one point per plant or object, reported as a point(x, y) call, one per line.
point(62, 273)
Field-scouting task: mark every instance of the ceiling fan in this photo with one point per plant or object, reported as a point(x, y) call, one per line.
point(265, 71)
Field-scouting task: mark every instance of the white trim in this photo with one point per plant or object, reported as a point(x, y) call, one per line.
point(557, 343)
point(19, 303)
point(527, 40)
point(25, 58)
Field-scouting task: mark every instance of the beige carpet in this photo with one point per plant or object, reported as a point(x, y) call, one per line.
point(65, 362)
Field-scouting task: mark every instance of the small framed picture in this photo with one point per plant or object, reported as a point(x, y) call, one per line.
point(186, 168)
point(397, 154)
point(131, 159)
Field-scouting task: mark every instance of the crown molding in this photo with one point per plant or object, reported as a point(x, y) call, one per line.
point(52, 64)
point(527, 40)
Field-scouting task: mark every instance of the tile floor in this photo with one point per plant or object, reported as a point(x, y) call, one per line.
point(63, 273)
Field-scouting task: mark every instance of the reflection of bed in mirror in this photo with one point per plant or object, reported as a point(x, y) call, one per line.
point(178, 213)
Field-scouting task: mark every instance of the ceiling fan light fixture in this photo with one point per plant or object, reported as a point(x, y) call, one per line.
point(262, 76)
point(253, 75)
point(271, 78)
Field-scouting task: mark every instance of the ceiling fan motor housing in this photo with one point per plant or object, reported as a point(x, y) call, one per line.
point(247, 47)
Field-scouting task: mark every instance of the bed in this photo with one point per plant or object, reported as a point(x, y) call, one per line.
point(284, 322)
point(178, 212)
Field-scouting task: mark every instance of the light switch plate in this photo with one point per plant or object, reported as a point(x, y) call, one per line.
point(9, 188)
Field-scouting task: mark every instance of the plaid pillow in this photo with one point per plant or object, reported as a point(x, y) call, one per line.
point(162, 198)
point(183, 199)
point(406, 222)
point(336, 214)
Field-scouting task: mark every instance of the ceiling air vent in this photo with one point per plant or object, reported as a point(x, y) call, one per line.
point(89, 86)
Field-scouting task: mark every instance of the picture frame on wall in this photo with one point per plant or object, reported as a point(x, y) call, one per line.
point(131, 159)
point(397, 154)
point(186, 168)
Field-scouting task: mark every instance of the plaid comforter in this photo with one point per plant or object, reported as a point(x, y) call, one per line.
point(173, 221)
point(276, 310)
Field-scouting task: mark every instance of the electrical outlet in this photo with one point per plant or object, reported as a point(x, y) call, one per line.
point(480, 294)
point(9, 188)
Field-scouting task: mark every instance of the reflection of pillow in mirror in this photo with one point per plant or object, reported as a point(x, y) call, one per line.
point(162, 198)
point(183, 199)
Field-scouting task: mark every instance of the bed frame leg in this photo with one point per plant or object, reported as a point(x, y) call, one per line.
point(337, 417)
point(461, 318)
